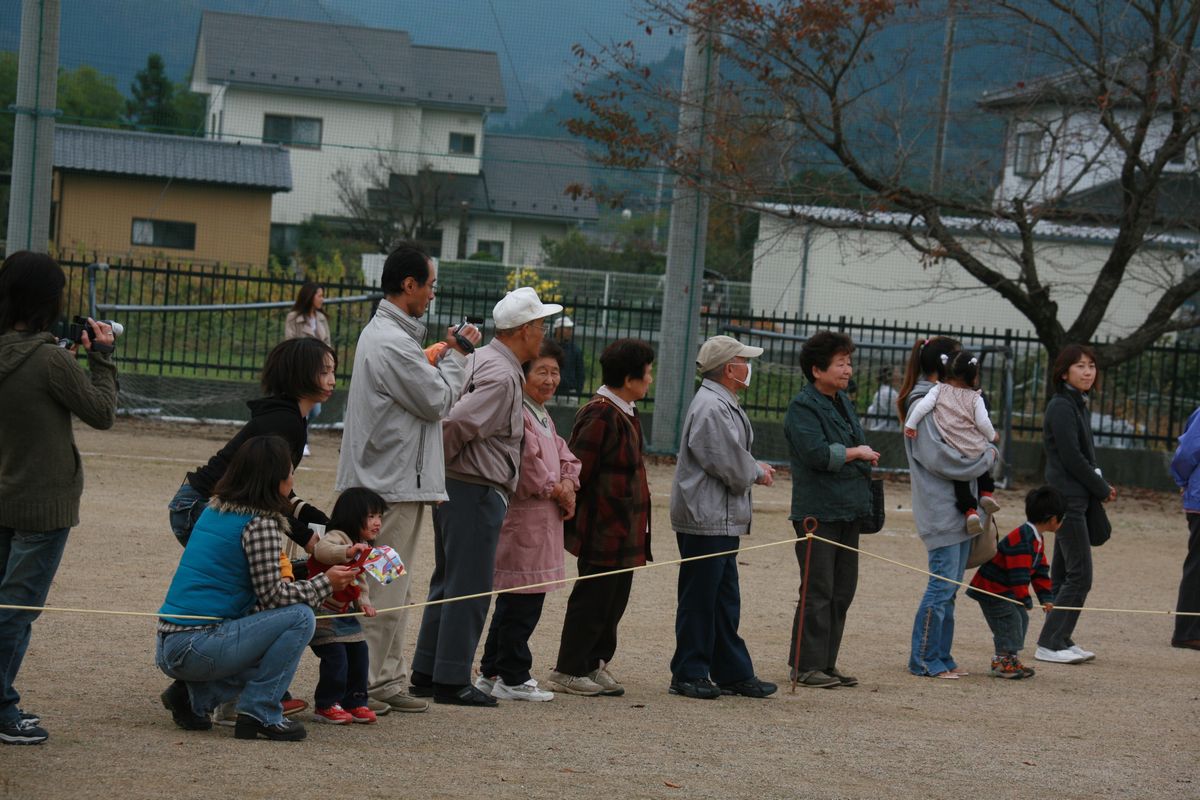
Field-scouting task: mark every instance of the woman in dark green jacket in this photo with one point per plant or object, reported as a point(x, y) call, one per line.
point(831, 464)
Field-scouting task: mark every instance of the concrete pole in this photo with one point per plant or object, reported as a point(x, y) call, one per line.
point(679, 335)
point(33, 134)
point(939, 146)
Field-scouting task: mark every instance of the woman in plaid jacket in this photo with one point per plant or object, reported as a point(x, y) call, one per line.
point(611, 528)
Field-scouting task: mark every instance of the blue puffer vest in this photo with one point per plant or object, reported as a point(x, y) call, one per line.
point(213, 577)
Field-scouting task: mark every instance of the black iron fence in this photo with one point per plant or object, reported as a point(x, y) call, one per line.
point(219, 325)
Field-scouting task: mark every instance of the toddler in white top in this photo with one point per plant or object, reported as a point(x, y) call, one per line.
point(962, 418)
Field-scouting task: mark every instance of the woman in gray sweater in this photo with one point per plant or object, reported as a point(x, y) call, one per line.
point(41, 473)
point(934, 466)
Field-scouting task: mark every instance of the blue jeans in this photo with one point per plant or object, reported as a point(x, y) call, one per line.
point(1009, 623)
point(933, 628)
point(28, 561)
point(184, 509)
point(254, 657)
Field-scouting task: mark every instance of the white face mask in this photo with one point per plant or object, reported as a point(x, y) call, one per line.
point(746, 381)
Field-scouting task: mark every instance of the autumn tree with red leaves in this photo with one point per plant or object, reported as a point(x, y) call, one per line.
point(819, 107)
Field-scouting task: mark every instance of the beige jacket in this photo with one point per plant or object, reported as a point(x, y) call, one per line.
point(482, 434)
point(297, 326)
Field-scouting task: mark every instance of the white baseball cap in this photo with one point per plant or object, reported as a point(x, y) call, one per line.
point(722, 349)
point(563, 322)
point(520, 306)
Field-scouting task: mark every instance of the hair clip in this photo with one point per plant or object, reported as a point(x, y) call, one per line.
point(973, 360)
point(945, 358)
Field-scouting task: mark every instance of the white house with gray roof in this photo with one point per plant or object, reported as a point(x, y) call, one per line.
point(338, 96)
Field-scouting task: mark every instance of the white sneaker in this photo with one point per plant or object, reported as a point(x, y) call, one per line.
point(974, 524)
point(226, 714)
point(485, 684)
point(1086, 655)
point(989, 504)
point(1058, 656)
point(307, 452)
point(523, 691)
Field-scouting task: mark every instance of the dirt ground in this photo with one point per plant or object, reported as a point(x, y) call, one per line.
point(1122, 726)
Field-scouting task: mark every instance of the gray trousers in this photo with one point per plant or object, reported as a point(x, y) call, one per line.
point(832, 579)
point(1187, 629)
point(1070, 575)
point(465, 531)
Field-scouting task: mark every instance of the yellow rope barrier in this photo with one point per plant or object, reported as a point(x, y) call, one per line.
point(652, 565)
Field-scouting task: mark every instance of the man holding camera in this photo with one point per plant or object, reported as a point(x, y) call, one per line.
point(710, 511)
point(392, 444)
point(482, 436)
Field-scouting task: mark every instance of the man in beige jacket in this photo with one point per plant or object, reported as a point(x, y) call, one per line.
point(392, 445)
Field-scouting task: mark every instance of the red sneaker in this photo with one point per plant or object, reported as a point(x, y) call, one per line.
point(293, 706)
point(334, 715)
point(362, 714)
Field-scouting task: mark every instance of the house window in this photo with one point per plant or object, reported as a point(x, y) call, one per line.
point(292, 131)
point(163, 233)
point(1027, 158)
point(495, 249)
point(462, 144)
point(285, 240)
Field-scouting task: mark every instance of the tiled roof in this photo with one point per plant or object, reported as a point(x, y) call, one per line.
point(986, 226)
point(376, 64)
point(521, 177)
point(526, 176)
point(183, 158)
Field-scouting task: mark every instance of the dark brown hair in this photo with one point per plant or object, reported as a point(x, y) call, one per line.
point(31, 291)
point(625, 358)
point(293, 368)
point(253, 476)
point(925, 358)
point(305, 298)
point(549, 349)
point(1066, 357)
point(351, 510)
point(819, 350)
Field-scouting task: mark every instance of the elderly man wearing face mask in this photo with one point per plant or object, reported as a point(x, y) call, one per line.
point(710, 511)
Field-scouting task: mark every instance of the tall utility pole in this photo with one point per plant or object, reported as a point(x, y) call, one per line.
point(939, 146)
point(33, 128)
point(679, 335)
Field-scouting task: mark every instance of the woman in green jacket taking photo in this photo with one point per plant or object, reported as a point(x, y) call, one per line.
point(831, 464)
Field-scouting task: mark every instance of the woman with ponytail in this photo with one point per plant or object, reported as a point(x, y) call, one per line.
point(934, 466)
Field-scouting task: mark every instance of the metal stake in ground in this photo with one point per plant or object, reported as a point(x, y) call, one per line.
point(810, 527)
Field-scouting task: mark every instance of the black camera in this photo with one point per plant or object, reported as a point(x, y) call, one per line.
point(80, 324)
point(463, 342)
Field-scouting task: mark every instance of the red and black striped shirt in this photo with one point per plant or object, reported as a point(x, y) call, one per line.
point(1019, 561)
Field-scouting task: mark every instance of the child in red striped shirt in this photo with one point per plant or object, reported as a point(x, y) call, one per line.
point(1020, 560)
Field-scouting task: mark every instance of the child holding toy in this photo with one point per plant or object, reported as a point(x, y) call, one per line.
point(341, 694)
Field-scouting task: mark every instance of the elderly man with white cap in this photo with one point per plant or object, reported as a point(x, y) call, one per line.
point(481, 437)
point(710, 511)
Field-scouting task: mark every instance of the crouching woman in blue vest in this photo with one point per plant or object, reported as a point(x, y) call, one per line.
point(258, 623)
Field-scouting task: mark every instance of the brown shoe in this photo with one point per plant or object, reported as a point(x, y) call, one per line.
point(1187, 644)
